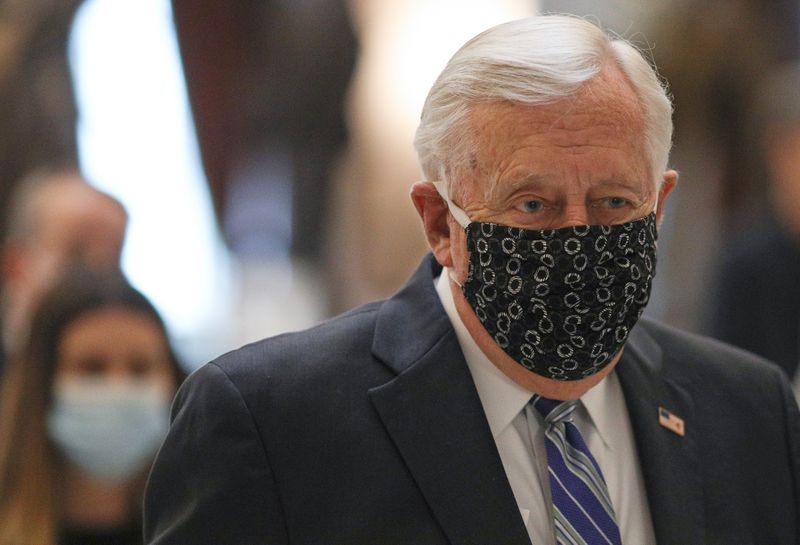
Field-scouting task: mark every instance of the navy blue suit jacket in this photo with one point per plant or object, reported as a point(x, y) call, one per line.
point(368, 430)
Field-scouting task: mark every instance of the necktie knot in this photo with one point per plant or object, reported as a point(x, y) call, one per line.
point(552, 410)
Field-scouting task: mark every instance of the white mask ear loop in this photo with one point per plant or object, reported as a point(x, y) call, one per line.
point(459, 215)
point(659, 187)
point(452, 276)
point(658, 192)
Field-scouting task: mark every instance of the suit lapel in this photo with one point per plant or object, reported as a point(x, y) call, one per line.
point(433, 414)
point(669, 461)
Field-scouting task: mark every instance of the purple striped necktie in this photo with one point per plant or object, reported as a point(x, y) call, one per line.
point(582, 510)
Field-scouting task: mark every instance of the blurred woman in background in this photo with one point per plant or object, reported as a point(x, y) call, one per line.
point(82, 413)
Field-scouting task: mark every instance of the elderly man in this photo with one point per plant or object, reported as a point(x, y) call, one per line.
point(507, 393)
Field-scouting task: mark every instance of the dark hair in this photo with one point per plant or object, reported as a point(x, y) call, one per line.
point(79, 291)
point(28, 481)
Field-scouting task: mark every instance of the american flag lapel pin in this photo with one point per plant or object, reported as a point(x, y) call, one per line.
point(671, 422)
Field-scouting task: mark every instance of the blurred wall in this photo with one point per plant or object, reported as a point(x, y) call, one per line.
point(405, 45)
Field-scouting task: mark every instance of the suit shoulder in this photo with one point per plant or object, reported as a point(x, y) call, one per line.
point(701, 355)
point(332, 348)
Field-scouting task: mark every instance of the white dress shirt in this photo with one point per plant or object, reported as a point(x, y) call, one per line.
point(602, 418)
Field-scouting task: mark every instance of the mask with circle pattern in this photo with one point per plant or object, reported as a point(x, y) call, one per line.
point(560, 302)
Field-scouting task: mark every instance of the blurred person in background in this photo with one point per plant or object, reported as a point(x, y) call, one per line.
point(84, 408)
point(56, 220)
point(757, 295)
point(37, 102)
point(267, 83)
point(714, 53)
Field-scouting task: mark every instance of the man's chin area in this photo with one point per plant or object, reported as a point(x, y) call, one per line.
point(537, 384)
point(562, 390)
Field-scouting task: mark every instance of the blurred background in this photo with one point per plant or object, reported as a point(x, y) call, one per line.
point(263, 150)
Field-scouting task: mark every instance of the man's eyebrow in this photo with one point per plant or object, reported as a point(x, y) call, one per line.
point(509, 187)
point(502, 191)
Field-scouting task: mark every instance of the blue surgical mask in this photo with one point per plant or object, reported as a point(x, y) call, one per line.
point(111, 431)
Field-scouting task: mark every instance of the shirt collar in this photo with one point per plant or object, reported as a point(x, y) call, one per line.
point(602, 402)
point(501, 397)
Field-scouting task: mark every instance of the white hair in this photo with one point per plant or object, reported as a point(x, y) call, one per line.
point(538, 60)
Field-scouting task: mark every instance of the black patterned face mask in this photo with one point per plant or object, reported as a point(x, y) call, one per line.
point(560, 302)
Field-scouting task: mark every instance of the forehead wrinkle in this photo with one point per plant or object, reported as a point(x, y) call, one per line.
point(509, 187)
point(609, 99)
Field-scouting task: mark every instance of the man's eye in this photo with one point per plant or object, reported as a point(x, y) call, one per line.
point(530, 206)
point(616, 202)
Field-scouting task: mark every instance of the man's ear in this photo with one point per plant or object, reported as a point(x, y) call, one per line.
point(670, 181)
point(433, 211)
